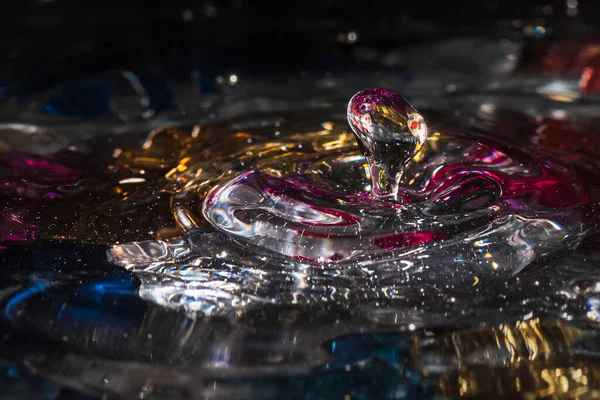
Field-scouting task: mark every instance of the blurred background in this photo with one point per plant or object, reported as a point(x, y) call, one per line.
point(51, 40)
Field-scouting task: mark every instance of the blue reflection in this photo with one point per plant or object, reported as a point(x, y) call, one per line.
point(113, 303)
point(391, 347)
point(12, 306)
point(68, 284)
point(157, 84)
point(374, 379)
point(86, 98)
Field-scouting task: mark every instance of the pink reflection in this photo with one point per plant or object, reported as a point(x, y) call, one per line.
point(12, 228)
point(27, 181)
point(399, 240)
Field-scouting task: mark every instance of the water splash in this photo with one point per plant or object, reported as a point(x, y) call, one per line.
point(460, 194)
point(264, 229)
point(389, 132)
point(302, 226)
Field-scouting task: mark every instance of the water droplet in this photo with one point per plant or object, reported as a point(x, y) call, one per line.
point(389, 132)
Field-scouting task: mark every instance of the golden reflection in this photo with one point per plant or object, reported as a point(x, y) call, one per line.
point(164, 179)
point(565, 98)
point(536, 380)
point(183, 206)
point(163, 146)
point(523, 340)
point(420, 155)
point(328, 126)
point(521, 360)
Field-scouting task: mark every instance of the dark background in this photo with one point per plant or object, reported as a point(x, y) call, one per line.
point(54, 40)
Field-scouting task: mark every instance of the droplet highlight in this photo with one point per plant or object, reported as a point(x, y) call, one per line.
point(389, 132)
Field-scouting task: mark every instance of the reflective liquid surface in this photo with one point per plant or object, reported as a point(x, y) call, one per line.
point(356, 234)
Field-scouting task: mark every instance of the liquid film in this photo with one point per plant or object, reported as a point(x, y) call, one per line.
point(355, 235)
point(499, 209)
